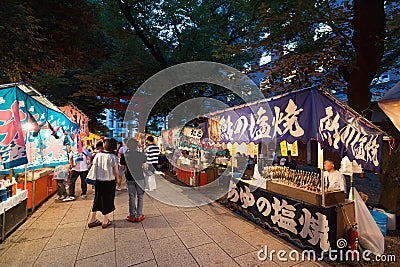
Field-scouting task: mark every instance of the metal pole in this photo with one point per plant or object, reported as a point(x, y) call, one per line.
point(321, 166)
point(26, 175)
point(33, 191)
point(323, 187)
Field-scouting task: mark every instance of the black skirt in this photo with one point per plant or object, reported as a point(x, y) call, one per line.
point(104, 195)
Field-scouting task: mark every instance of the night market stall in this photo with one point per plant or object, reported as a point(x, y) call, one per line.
point(190, 153)
point(390, 104)
point(297, 203)
point(34, 135)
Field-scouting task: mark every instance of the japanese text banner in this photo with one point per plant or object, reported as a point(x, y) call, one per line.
point(304, 115)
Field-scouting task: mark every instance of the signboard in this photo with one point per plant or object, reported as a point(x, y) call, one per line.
point(293, 149)
point(193, 132)
point(304, 115)
point(304, 223)
point(284, 148)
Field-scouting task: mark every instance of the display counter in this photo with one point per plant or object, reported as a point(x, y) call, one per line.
point(307, 225)
point(189, 176)
point(13, 212)
point(40, 185)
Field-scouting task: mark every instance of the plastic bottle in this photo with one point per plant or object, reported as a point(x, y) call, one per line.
point(14, 187)
point(3, 191)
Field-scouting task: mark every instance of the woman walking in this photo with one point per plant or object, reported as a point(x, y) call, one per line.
point(107, 175)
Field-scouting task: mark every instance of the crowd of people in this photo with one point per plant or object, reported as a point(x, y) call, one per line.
point(114, 167)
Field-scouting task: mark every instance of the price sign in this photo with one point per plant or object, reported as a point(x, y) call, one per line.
point(193, 132)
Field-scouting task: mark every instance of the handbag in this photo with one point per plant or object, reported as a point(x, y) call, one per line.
point(91, 177)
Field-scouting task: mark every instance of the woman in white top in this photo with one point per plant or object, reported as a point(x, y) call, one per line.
point(106, 164)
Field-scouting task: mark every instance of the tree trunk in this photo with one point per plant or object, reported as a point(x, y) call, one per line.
point(369, 24)
point(390, 183)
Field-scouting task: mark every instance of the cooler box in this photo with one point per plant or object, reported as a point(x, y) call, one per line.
point(381, 220)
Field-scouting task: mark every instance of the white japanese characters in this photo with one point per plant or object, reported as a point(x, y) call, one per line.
point(314, 227)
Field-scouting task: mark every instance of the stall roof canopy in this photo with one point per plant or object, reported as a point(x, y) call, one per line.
point(32, 92)
point(32, 129)
point(302, 115)
point(390, 104)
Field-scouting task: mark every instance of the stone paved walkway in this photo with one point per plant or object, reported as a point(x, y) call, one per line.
point(56, 234)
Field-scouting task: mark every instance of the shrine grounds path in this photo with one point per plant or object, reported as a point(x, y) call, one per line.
point(56, 234)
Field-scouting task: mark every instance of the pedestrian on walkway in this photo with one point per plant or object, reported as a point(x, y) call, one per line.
point(152, 153)
point(106, 164)
point(79, 168)
point(134, 162)
point(61, 175)
point(122, 185)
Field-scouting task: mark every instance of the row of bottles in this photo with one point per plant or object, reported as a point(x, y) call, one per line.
point(7, 189)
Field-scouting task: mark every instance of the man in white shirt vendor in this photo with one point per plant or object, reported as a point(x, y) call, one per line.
point(79, 167)
point(336, 180)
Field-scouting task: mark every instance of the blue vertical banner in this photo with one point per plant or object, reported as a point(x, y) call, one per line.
point(12, 144)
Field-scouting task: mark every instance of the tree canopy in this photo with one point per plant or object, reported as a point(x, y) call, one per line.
point(337, 45)
point(78, 50)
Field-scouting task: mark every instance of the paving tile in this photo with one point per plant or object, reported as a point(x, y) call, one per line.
point(170, 251)
point(310, 264)
point(75, 215)
point(214, 209)
point(164, 208)
point(66, 234)
point(122, 209)
point(201, 219)
point(150, 210)
point(229, 241)
point(251, 260)
point(134, 251)
point(186, 209)
point(96, 241)
point(178, 219)
point(157, 227)
point(59, 257)
point(150, 263)
point(133, 235)
point(38, 231)
point(24, 253)
point(102, 260)
point(237, 225)
point(192, 236)
point(122, 226)
point(287, 248)
point(260, 237)
point(211, 255)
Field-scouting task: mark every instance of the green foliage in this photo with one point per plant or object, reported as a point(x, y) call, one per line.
point(52, 44)
point(309, 40)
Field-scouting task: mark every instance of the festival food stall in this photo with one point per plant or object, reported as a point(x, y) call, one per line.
point(33, 138)
point(190, 154)
point(297, 203)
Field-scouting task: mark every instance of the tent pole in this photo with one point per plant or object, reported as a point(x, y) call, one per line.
point(321, 166)
point(26, 175)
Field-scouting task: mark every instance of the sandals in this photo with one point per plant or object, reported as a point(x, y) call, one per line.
point(105, 225)
point(94, 224)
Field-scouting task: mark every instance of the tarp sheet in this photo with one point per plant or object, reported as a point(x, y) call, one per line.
point(303, 115)
point(43, 143)
point(390, 104)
